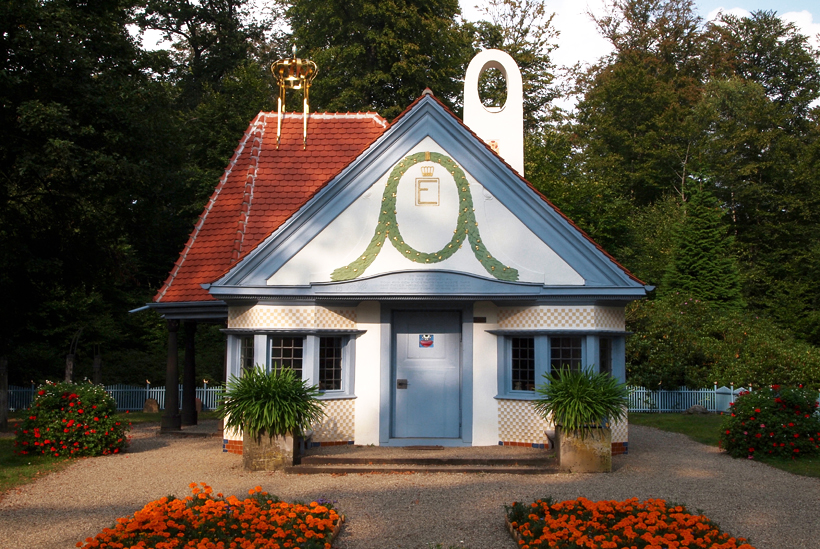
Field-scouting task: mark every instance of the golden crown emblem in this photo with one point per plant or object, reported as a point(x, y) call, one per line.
point(296, 74)
point(427, 171)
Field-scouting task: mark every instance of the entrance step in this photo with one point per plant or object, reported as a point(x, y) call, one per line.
point(488, 460)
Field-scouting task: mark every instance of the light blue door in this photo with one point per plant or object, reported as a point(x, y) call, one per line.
point(426, 381)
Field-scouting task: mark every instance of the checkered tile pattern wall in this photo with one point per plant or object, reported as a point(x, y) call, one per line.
point(519, 422)
point(262, 316)
point(600, 318)
point(620, 431)
point(339, 422)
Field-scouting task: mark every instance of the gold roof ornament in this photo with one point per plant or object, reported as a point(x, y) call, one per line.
point(296, 74)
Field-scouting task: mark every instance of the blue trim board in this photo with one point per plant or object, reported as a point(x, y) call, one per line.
point(427, 118)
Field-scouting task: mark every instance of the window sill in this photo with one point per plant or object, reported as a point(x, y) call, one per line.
point(335, 395)
point(522, 395)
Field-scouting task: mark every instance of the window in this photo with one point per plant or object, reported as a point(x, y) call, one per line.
point(566, 352)
point(605, 355)
point(246, 350)
point(287, 352)
point(523, 363)
point(330, 363)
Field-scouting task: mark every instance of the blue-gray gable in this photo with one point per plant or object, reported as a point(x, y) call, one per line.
point(427, 119)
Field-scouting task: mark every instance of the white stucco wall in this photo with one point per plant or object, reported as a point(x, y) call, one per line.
point(368, 373)
point(427, 229)
point(485, 376)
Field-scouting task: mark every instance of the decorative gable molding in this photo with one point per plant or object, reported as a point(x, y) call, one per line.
point(426, 119)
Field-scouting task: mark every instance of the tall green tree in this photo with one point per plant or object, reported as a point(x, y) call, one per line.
point(379, 56)
point(702, 262)
point(760, 149)
point(85, 196)
point(634, 120)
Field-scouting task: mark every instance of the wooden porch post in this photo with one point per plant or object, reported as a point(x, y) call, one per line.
point(4, 393)
point(171, 420)
point(189, 414)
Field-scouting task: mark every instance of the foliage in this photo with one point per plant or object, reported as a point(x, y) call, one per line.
point(276, 403)
point(581, 400)
point(702, 265)
point(211, 520)
point(614, 525)
point(67, 419)
point(683, 341)
point(773, 421)
point(379, 56)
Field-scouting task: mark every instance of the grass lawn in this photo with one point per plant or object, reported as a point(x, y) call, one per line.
point(706, 429)
point(16, 470)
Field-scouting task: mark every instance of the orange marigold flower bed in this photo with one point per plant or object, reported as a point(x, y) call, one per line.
point(630, 524)
point(211, 521)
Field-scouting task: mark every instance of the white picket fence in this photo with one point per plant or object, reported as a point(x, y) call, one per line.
point(715, 399)
point(128, 397)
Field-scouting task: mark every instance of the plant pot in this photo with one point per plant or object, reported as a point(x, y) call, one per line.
point(268, 453)
point(592, 454)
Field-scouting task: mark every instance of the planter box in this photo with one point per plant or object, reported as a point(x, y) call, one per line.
point(592, 454)
point(265, 453)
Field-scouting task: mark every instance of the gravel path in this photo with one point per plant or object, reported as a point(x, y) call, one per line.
point(774, 509)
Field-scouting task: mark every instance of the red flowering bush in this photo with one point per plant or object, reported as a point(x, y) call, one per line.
point(208, 521)
point(777, 422)
point(68, 419)
point(630, 524)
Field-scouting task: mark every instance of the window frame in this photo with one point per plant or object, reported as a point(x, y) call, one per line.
point(310, 355)
point(590, 352)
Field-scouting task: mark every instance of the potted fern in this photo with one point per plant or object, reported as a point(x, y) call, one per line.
point(272, 409)
point(582, 404)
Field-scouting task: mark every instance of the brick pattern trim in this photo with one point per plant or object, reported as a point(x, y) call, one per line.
point(523, 444)
point(232, 446)
point(620, 448)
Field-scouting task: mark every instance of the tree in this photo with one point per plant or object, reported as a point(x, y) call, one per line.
point(379, 56)
point(760, 149)
point(79, 118)
point(702, 264)
point(211, 39)
point(634, 121)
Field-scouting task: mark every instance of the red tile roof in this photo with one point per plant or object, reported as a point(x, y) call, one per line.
point(262, 187)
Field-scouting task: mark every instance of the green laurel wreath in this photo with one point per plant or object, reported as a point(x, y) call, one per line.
point(388, 227)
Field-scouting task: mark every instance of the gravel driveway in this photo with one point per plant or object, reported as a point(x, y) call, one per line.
point(774, 509)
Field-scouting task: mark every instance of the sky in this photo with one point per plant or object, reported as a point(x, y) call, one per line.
point(579, 39)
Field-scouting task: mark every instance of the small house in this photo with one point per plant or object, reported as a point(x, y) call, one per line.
point(407, 268)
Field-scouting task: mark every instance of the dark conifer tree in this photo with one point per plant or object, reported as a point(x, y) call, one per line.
point(702, 264)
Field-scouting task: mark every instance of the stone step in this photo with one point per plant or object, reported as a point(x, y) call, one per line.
point(392, 468)
point(546, 461)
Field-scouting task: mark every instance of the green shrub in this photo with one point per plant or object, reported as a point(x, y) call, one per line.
point(773, 422)
point(68, 419)
point(680, 340)
point(276, 403)
point(579, 400)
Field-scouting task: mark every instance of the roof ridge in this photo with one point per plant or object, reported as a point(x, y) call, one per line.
point(376, 117)
point(250, 184)
point(198, 226)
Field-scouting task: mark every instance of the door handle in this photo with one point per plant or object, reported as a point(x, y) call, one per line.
point(401, 384)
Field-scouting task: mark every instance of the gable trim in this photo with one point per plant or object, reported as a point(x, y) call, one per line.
point(429, 118)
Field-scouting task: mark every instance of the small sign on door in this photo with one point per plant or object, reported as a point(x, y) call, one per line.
point(426, 340)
